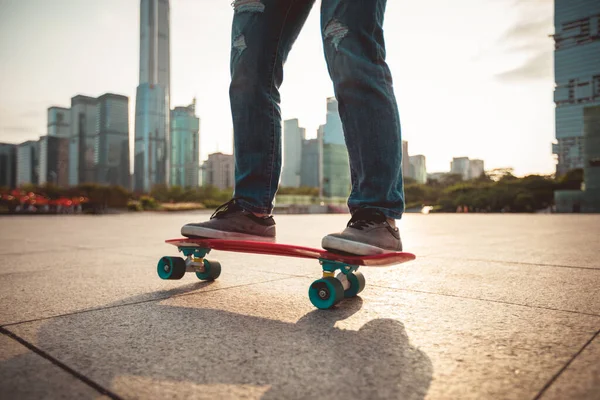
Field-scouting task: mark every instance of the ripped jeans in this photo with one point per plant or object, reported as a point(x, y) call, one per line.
point(263, 33)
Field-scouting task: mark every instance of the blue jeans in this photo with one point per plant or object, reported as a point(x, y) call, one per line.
point(263, 33)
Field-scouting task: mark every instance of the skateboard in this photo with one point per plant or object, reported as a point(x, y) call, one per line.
point(323, 293)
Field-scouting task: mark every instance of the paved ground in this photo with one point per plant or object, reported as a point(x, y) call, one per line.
point(494, 307)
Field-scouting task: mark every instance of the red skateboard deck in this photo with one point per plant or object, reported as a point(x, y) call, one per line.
point(323, 293)
point(287, 250)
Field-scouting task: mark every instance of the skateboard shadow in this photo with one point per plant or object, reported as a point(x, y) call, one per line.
point(153, 350)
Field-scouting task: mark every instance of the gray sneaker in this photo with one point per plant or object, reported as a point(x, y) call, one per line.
point(367, 233)
point(230, 221)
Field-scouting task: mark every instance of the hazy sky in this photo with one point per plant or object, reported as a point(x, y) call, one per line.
point(472, 77)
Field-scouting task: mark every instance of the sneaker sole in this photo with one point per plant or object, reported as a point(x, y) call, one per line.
point(351, 247)
point(216, 234)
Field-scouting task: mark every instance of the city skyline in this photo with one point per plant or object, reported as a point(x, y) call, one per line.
point(497, 84)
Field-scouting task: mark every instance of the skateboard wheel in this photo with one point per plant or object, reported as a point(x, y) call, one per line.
point(171, 268)
point(212, 270)
point(325, 293)
point(357, 283)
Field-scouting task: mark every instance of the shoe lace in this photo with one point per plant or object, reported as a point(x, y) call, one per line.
point(223, 209)
point(365, 218)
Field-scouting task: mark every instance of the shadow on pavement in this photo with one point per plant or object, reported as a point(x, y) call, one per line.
point(180, 351)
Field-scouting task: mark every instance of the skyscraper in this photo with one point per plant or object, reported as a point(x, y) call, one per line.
point(8, 165)
point(185, 146)
point(336, 164)
point(27, 163)
point(293, 137)
point(311, 159)
point(460, 166)
point(59, 122)
point(153, 97)
point(112, 140)
point(82, 144)
point(219, 171)
point(418, 168)
point(577, 76)
point(54, 160)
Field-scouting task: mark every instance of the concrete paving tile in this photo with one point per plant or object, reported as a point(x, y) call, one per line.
point(570, 240)
point(540, 286)
point(26, 375)
point(581, 380)
point(72, 281)
point(267, 340)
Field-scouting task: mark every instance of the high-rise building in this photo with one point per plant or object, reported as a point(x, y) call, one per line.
point(336, 165)
point(468, 169)
point(591, 170)
point(475, 169)
point(27, 163)
point(460, 166)
point(8, 165)
point(333, 132)
point(82, 142)
point(219, 171)
point(151, 160)
point(59, 122)
point(293, 136)
point(54, 160)
point(185, 146)
point(405, 160)
point(311, 159)
point(112, 140)
point(577, 76)
point(418, 169)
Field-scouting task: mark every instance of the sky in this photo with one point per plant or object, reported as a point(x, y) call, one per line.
point(473, 78)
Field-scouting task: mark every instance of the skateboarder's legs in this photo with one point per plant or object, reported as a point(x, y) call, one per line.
point(263, 33)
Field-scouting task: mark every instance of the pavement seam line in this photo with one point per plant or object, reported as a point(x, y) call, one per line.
point(564, 368)
point(140, 302)
point(486, 300)
point(60, 365)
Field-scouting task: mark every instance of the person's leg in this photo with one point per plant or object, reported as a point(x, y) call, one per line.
point(262, 36)
point(355, 53)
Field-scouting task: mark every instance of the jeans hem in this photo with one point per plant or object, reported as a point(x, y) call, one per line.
point(386, 211)
point(252, 208)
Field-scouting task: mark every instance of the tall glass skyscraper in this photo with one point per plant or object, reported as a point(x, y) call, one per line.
point(151, 158)
point(82, 143)
point(185, 146)
point(577, 76)
point(112, 140)
point(293, 137)
point(336, 164)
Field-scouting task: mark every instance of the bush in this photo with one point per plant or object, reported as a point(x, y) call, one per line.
point(133, 205)
point(148, 203)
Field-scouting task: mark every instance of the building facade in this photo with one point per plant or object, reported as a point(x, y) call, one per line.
point(59, 122)
point(591, 158)
point(577, 76)
point(8, 165)
point(219, 171)
point(27, 163)
point(310, 164)
point(82, 142)
point(112, 140)
point(476, 169)
point(418, 168)
point(151, 160)
point(54, 160)
point(335, 160)
point(293, 137)
point(460, 166)
point(185, 146)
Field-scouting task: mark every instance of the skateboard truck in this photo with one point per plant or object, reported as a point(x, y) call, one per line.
point(331, 289)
